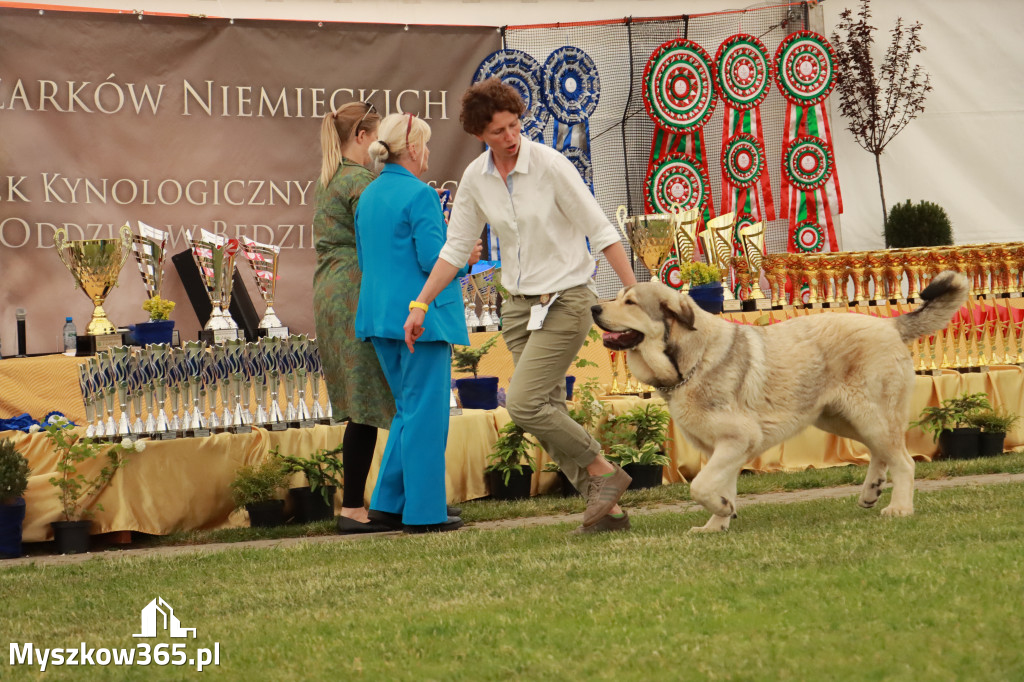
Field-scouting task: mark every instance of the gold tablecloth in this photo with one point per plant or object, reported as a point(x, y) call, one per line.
point(183, 484)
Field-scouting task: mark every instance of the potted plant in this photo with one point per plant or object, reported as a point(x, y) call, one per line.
point(476, 393)
point(950, 424)
point(75, 491)
point(160, 328)
point(511, 467)
point(13, 481)
point(587, 411)
point(705, 285)
point(994, 425)
point(636, 440)
point(323, 471)
point(255, 489)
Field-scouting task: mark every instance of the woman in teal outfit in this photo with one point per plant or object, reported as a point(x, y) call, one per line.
point(355, 383)
point(399, 233)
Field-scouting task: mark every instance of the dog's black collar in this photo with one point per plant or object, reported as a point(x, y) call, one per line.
point(682, 382)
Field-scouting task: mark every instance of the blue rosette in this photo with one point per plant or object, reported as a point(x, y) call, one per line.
point(522, 72)
point(571, 85)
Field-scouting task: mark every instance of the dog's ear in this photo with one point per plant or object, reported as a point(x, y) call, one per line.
point(678, 308)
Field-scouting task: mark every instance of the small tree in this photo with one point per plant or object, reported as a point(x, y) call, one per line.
point(878, 104)
point(467, 358)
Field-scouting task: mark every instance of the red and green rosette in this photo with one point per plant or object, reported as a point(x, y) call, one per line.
point(744, 73)
point(805, 75)
point(679, 96)
point(677, 180)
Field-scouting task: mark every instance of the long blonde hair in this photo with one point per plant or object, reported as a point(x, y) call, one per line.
point(396, 133)
point(338, 128)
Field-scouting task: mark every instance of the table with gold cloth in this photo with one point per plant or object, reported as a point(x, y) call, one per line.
point(183, 484)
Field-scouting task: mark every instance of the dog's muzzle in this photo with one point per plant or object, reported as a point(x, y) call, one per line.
point(622, 340)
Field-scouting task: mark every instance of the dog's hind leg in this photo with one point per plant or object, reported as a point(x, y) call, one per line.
point(890, 452)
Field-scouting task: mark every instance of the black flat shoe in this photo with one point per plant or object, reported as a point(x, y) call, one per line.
point(453, 523)
point(454, 511)
point(392, 521)
point(347, 526)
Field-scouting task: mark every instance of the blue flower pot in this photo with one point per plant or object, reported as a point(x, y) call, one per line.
point(478, 393)
point(570, 382)
point(709, 297)
point(12, 516)
point(155, 331)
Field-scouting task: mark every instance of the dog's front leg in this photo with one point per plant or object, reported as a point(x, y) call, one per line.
point(715, 485)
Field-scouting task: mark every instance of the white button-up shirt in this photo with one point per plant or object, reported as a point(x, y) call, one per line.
point(542, 216)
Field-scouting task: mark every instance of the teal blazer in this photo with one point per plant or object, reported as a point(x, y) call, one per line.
point(399, 233)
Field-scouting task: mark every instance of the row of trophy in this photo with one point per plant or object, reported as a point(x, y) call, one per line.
point(165, 392)
point(483, 287)
point(632, 385)
point(874, 277)
point(665, 243)
point(96, 266)
point(978, 335)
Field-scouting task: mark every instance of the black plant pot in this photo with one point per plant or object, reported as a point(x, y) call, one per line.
point(960, 443)
point(266, 514)
point(309, 506)
point(71, 537)
point(568, 489)
point(518, 487)
point(644, 475)
point(12, 516)
point(990, 443)
point(478, 393)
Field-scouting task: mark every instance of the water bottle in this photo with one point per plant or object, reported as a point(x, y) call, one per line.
point(70, 338)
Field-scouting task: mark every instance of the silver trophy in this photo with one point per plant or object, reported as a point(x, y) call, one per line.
point(150, 248)
point(209, 391)
point(220, 365)
point(96, 374)
point(157, 356)
point(286, 360)
point(234, 363)
point(108, 386)
point(194, 355)
point(135, 384)
point(175, 378)
point(469, 303)
point(257, 361)
point(482, 283)
point(299, 347)
point(272, 353)
point(263, 259)
point(215, 257)
point(313, 367)
point(117, 359)
point(88, 399)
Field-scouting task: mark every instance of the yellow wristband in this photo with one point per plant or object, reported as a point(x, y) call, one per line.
point(416, 304)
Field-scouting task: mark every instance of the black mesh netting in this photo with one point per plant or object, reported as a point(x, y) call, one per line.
point(620, 129)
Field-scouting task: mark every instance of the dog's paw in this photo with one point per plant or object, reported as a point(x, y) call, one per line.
point(894, 511)
point(716, 524)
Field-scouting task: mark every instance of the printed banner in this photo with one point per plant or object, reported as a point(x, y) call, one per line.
point(186, 123)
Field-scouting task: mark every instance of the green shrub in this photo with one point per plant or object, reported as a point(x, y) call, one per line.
point(511, 452)
point(259, 482)
point(923, 224)
point(322, 469)
point(953, 413)
point(994, 421)
point(13, 472)
point(467, 358)
point(699, 273)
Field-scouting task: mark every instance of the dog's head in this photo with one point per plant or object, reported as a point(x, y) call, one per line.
point(641, 312)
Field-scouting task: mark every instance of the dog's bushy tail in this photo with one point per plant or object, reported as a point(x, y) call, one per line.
point(943, 297)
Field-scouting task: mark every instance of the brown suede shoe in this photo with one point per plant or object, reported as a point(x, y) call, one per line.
point(605, 524)
point(604, 494)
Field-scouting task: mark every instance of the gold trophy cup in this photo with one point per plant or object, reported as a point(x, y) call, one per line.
point(753, 246)
point(650, 236)
point(263, 259)
point(96, 265)
point(717, 241)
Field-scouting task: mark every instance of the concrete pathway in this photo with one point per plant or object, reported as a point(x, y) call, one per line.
point(921, 485)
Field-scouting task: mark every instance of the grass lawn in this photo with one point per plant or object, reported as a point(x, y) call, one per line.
point(818, 590)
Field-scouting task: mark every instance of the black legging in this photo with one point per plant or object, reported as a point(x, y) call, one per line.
point(357, 454)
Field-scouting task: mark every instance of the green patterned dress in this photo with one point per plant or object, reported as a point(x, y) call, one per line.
point(355, 382)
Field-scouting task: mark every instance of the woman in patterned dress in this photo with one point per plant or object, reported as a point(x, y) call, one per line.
point(355, 383)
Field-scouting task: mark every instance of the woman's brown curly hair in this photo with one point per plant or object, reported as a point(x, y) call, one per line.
point(483, 100)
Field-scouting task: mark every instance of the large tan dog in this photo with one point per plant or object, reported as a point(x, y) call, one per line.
point(736, 390)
